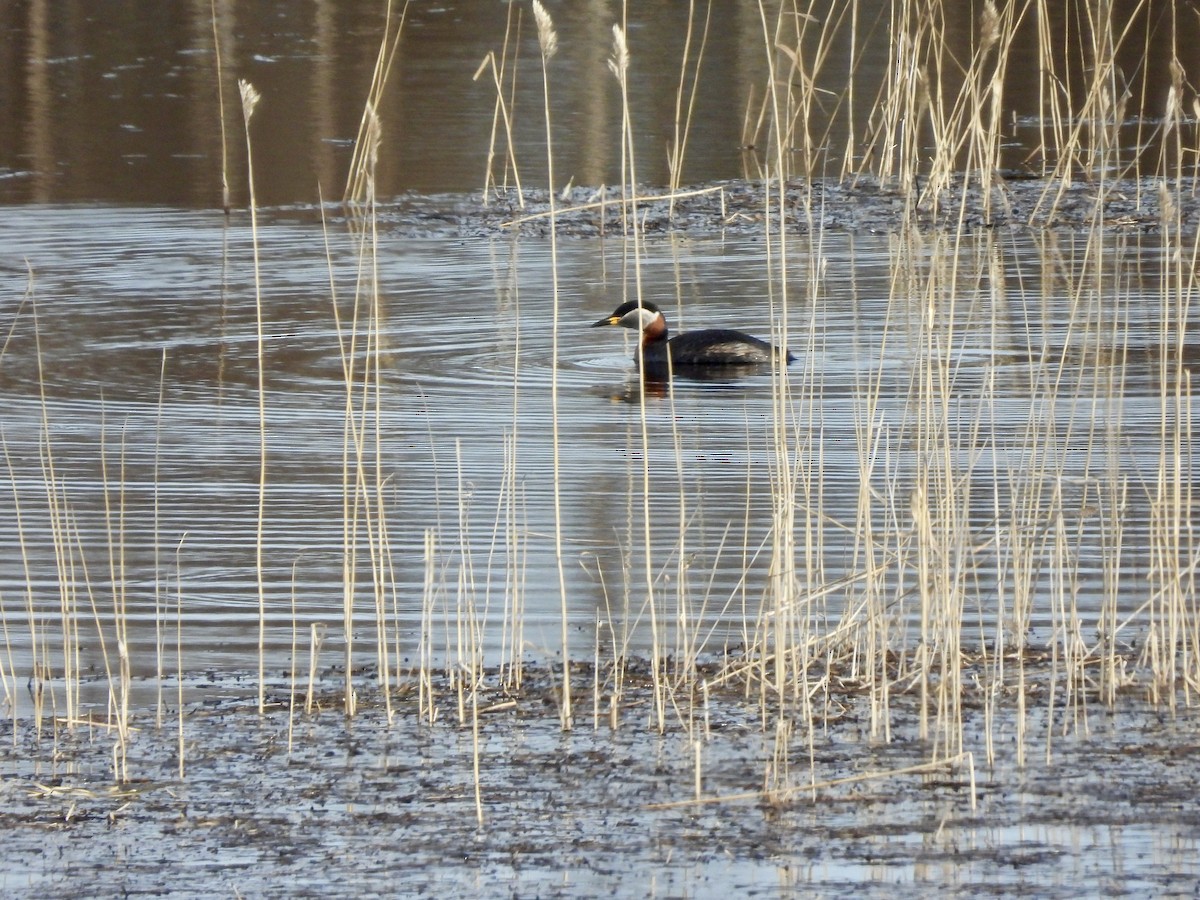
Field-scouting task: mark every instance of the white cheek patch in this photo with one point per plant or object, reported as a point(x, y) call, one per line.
point(638, 318)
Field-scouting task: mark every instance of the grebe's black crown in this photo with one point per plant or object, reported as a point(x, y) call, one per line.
point(630, 305)
point(627, 315)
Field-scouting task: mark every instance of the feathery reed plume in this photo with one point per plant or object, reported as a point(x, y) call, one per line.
point(547, 36)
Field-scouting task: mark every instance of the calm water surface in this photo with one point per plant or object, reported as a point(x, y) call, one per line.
point(141, 411)
point(123, 103)
point(147, 411)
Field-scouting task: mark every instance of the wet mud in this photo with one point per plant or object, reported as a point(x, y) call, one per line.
point(740, 207)
point(289, 804)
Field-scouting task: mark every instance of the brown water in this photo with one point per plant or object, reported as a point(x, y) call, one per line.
point(120, 103)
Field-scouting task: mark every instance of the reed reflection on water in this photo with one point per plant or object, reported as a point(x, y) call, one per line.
point(120, 103)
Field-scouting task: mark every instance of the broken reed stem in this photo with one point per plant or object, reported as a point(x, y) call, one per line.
point(501, 112)
point(683, 121)
point(783, 794)
point(632, 198)
point(250, 98)
point(389, 46)
point(316, 639)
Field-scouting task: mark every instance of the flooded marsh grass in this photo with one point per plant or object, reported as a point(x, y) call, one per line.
point(917, 610)
point(978, 491)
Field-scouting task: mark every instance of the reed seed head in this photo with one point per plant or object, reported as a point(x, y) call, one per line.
point(250, 98)
point(619, 63)
point(547, 38)
point(989, 27)
point(374, 137)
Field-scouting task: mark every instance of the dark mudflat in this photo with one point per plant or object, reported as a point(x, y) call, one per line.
point(364, 806)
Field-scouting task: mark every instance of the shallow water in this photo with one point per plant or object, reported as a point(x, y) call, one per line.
point(150, 403)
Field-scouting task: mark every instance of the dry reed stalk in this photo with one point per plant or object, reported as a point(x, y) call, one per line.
point(787, 632)
point(468, 623)
point(181, 748)
point(389, 46)
point(363, 480)
point(683, 121)
point(291, 704)
point(159, 611)
point(893, 142)
point(939, 523)
point(426, 702)
point(42, 670)
point(502, 111)
point(506, 533)
point(316, 640)
point(872, 546)
point(1174, 617)
point(548, 45)
point(226, 204)
point(250, 99)
point(475, 766)
point(374, 507)
point(805, 55)
point(8, 675)
point(1092, 143)
point(115, 541)
point(630, 197)
point(23, 551)
point(349, 336)
point(618, 64)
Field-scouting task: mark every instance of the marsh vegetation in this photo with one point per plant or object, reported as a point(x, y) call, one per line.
point(946, 554)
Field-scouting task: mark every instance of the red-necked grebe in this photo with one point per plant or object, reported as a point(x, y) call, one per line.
point(696, 350)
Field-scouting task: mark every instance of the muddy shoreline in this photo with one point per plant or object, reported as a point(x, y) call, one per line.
point(1016, 201)
point(364, 806)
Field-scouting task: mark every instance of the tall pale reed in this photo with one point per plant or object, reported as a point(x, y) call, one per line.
point(548, 44)
point(250, 99)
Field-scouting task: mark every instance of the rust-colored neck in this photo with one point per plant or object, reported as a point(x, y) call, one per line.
point(655, 332)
